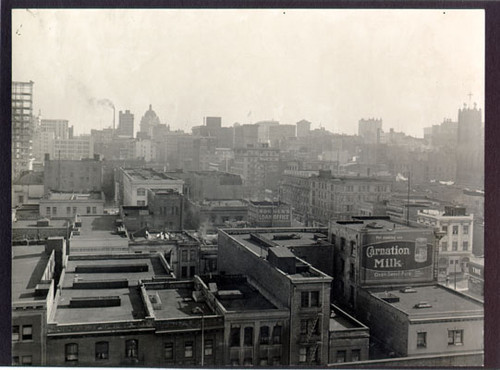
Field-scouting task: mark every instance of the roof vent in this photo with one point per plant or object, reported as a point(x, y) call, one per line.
point(408, 290)
point(423, 304)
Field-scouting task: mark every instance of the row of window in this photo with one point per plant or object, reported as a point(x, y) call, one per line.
point(454, 230)
point(132, 350)
point(342, 355)
point(454, 246)
point(22, 333)
point(310, 299)
point(455, 338)
point(90, 210)
point(264, 336)
point(25, 361)
point(264, 361)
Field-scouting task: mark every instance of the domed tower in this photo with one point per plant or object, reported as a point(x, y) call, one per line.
point(148, 121)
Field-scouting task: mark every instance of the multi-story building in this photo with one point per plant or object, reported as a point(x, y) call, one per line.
point(145, 149)
point(370, 130)
point(22, 127)
point(244, 135)
point(455, 247)
point(132, 184)
point(269, 214)
point(303, 128)
point(68, 205)
point(216, 213)
point(377, 251)
point(470, 147)
point(280, 132)
point(73, 175)
point(165, 209)
point(475, 278)
point(289, 282)
point(125, 124)
point(263, 130)
point(203, 153)
point(258, 167)
point(59, 127)
point(148, 121)
point(76, 148)
point(201, 185)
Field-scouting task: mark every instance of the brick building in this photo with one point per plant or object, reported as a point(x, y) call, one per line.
point(73, 175)
point(68, 205)
point(269, 214)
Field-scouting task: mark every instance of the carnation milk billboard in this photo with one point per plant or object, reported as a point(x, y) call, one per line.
point(397, 257)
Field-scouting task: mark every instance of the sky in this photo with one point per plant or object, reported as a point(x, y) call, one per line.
point(412, 68)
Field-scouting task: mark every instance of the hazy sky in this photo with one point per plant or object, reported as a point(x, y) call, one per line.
point(412, 68)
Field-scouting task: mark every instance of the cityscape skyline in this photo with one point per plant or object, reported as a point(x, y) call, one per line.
point(265, 59)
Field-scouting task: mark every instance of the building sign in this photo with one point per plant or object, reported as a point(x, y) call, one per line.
point(395, 259)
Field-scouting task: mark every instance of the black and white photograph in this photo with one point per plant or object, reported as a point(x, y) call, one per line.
point(248, 187)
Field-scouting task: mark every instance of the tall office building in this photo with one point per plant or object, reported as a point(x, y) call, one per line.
point(125, 124)
point(470, 148)
point(22, 127)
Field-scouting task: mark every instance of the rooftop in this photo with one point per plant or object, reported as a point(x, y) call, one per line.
point(22, 224)
point(131, 304)
point(435, 299)
point(235, 293)
point(28, 265)
point(223, 203)
point(98, 231)
point(340, 320)
point(65, 196)
point(140, 174)
point(374, 224)
point(177, 303)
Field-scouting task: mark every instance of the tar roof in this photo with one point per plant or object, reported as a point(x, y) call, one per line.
point(146, 174)
point(443, 302)
point(131, 305)
point(28, 265)
point(64, 196)
point(295, 239)
point(177, 303)
point(376, 224)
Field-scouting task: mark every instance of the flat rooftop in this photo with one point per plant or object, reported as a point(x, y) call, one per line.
point(177, 303)
point(237, 294)
point(294, 239)
point(131, 306)
point(443, 301)
point(21, 224)
point(28, 265)
point(67, 196)
point(339, 321)
point(141, 174)
point(377, 224)
point(223, 203)
point(97, 230)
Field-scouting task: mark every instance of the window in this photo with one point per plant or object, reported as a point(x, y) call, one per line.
point(188, 349)
point(263, 361)
point(184, 256)
point(454, 246)
point(248, 336)
point(101, 350)
point(169, 351)
point(88, 210)
point(303, 326)
point(444, 246)
point(356, 355)
point(342, 266)
point(71, 352)
point(54, 211)
point(15, 361)
point(302, 354)
point(235, 336)
point(455, 230)
point(465, 229)
point(309, 299)
point(455, 337)
point(141, 192)
point(247, 361)
point(465, 245)
point(94, 210)
point(353, 247)
point(276, 361)
point(15, 333)
point(209, 347)
point(445, 228)
point(342, 243)
point(277, 334)
point(264, 335)
point(340, 356)
point(74, 210)
point(21, 198)
point(47, 211)
point(352, 271)
point(27, 332)
point(27, 360)
point(422, 340)
point(184, 271)
point(131, 348)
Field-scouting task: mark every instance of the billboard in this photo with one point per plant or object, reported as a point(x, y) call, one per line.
point(397, 258)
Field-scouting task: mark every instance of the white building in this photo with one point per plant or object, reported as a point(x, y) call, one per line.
point(145, 149)
point(455, 248)
point(136, 181)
